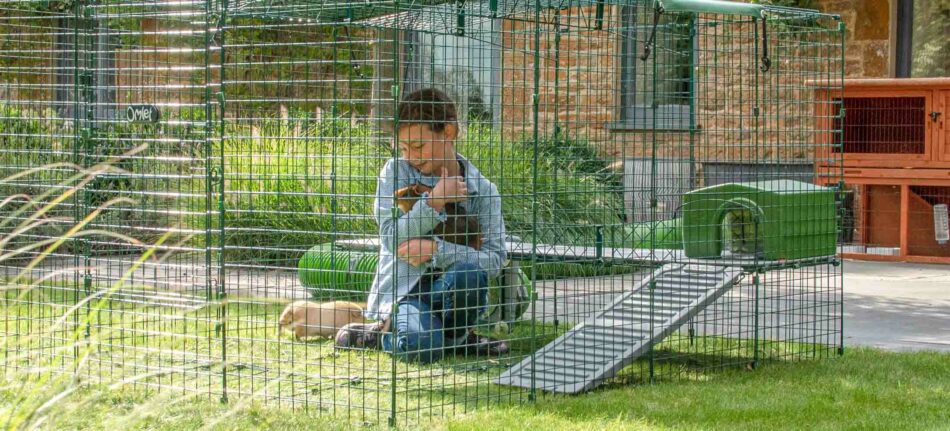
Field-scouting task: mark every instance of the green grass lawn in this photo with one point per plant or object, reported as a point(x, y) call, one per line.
point(865, 389)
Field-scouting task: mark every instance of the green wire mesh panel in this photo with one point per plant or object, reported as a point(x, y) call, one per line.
point(206, 163)
point(38, 129)
point(119, 92)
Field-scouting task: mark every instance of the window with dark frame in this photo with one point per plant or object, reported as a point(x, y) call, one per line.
point(103, 80)
point(65, 66)
point(466, 68)
point(662, 78)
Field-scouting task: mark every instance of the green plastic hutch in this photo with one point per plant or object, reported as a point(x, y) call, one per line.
point(783, 219)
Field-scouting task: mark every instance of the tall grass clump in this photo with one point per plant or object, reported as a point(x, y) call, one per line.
point(49, 313)
point(28, 139)
point(64, 338)
point(154, 177)
point(291, 184)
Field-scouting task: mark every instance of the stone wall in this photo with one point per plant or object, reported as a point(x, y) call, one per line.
point(868, 26)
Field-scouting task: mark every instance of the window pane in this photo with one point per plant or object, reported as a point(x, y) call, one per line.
point(672, 62)
point(663, 77)
point(463, 67)
point(931, 38)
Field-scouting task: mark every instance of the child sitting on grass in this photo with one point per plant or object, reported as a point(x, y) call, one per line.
point(428, 292)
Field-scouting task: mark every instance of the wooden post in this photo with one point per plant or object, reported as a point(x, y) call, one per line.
point(905, 218)
point(865, 213)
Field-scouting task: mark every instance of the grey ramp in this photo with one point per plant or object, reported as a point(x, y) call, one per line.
point(614, 337)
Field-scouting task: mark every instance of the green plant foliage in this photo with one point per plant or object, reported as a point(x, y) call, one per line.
point(303, 191)
point(282, 193)
point(931, 39)
point(571, 187)
point(293, 183)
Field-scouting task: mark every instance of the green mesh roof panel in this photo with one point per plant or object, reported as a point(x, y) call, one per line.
point(725, 7)
point(321, 10)
point(444, 18)
point(426, 15)
point(713, 6)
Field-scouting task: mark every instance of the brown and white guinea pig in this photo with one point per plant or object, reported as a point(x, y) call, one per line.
point(458, 228)
point(311, 319)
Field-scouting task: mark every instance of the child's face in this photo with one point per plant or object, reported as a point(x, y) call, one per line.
point(425, 150)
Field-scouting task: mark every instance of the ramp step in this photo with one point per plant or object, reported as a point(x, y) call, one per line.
point(640, 317)
point(674, 286)
point(586, 344)
point(612, 338)
point(568, 363)
point(671, 297)
point(606, 322)
point(658, 301)
point(627, 330)
point(595, 352)
point(577, 358)
point(554, 379)
point(645, 305)
point(568, 374)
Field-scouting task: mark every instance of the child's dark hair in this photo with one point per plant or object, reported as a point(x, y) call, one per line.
point(427, 106)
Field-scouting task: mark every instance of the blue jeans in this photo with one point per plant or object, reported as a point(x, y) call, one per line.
point(437, 315)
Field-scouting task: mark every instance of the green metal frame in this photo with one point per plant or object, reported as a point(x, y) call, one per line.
point(276, 117)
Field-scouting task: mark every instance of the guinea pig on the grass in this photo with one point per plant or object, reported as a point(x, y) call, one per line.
point(459, 227)
point(311, 319)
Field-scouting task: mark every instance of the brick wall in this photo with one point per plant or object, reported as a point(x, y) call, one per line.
point(579, 89)
point(578, 85)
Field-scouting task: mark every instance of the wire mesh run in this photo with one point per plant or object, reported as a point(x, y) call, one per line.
point(507, 198)
point(877, 222)
point(885, 125)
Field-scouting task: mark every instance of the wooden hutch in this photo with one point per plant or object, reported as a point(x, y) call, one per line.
point(895, 148)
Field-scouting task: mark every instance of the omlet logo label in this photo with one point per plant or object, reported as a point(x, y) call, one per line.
point(142, 114)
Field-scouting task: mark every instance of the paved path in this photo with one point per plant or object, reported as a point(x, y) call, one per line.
point(897, 306)
point(894, 306)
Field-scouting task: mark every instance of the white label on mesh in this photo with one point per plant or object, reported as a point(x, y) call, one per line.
point(941, 224)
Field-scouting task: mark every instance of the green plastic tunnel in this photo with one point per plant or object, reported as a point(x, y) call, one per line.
point(666, 234)
point(324, 269)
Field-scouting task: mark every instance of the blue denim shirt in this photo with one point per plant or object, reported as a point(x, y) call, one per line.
point(394, 277)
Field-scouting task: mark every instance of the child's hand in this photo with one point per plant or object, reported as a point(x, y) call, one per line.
point(448, 189)
point(417, 251)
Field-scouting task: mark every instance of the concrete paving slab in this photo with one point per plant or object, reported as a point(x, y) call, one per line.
point(897, 306)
